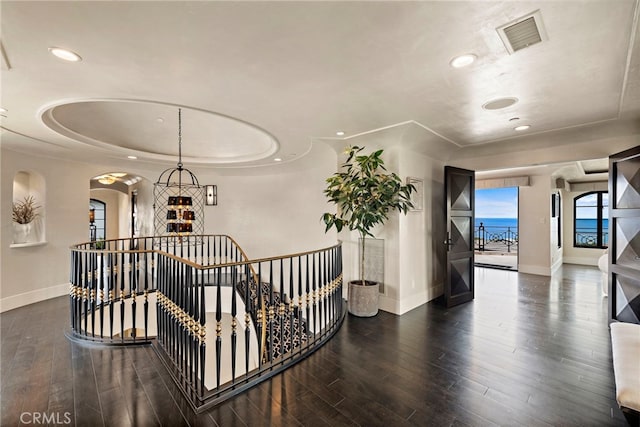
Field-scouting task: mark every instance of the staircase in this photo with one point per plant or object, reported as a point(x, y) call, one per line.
point(284, 329)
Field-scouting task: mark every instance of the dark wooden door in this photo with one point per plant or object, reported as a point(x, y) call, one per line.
point(460, 203)
point(624, 233)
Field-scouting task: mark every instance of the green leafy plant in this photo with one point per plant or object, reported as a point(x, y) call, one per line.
point(25, 211)
point(364, 195)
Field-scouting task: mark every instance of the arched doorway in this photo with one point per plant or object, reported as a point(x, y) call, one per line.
point(127, 200)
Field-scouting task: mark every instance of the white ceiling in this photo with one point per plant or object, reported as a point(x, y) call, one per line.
point(263, 80)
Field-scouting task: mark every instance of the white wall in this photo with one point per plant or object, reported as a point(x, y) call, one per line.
point(269, 211)
point(124, 214)
point(534, 211)
point(273, 211)
point(422, 254)
point(30, 274)
point(145, 207)
point(414, 255)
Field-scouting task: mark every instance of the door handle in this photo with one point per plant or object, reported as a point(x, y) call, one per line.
point(448, 242)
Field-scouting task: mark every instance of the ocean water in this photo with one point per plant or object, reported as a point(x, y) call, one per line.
point(498, 224)
point(591, 224)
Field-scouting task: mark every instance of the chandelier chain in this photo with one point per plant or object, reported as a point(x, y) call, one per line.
point(180, 138)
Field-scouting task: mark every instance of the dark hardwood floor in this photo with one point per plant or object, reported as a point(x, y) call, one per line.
point(529, 350)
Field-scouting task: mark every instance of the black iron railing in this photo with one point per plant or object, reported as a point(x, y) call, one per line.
point(590, 238)
point(223, 322)
point(113, 282)
point(496, 238)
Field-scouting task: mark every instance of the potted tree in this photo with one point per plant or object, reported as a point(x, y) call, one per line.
point(364, 194)
point(24, 212)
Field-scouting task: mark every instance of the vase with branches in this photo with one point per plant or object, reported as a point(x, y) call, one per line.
point(23, 214)
point(25, 211)
point(364, 194)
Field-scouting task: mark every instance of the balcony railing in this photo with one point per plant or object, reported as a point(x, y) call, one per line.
point(588, 238)
point(496, 238)
point(220, 322)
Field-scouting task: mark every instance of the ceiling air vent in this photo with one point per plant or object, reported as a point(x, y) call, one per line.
point(523, 32)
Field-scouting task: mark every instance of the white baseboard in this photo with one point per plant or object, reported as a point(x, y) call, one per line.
point(390, 305)
point(534, 269)
point(582, 260)
point(413, 301)
point(394, 306)
point(15, 301)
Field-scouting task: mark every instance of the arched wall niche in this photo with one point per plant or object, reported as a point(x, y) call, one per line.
point(30, 184)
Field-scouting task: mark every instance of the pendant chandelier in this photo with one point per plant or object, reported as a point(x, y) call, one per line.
point(178, 199)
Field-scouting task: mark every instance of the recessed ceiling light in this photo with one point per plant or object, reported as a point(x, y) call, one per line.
point(65, 54)
point(3, 110)
point(106, 179)
point(497, 104)
point(277, 159)
point(463, 60)
point(521, 128)
point(340, 133)
point(132, 157)
point(159, 120)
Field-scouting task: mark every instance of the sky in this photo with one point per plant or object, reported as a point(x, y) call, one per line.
point(586, 206)
point(497, 203)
